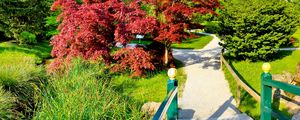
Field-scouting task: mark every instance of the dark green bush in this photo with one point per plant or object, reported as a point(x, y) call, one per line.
point(254, 29)
point(27, 38)
point(17, 16)
point(212, 27)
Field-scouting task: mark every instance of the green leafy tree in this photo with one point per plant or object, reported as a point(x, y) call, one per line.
point(17, 16)
point(254, 29)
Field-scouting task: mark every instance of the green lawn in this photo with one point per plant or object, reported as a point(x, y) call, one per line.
point(194, 43)
point(144, 42)
point(251, 71)
point(152, 88)
point(41, 50)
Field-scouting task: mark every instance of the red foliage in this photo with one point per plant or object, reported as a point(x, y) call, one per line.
point(178, 15)
point(90, 29)
point(135, 59)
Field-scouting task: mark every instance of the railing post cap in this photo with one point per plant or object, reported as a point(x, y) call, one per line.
point(172, 73)
point(266, 67)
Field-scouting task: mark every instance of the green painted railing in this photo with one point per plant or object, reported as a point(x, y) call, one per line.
point(169, 107)
point(266, 93)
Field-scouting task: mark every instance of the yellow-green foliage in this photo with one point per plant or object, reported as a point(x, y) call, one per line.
point(16, 67)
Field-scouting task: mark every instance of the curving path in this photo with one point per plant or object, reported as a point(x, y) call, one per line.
point(206, 94)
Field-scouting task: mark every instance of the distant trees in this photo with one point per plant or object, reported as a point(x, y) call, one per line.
point(17, 16)
point(254, 29)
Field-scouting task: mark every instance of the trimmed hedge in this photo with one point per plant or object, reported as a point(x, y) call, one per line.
point(254, 29)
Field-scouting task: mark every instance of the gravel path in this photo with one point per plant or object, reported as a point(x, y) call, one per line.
point(206, 94)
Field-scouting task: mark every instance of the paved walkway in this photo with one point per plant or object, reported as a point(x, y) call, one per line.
point(206, 94)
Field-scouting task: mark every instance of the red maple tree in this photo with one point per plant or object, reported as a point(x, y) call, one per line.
point(91, 28)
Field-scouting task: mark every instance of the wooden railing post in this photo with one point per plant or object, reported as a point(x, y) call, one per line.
point(238, 102)
point(266, 93)
point(172, 113)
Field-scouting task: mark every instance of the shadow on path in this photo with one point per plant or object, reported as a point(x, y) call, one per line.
point(208, 57)
point(186, 113)
point(226, 105)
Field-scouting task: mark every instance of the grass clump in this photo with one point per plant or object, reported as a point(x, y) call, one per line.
point(250, 72)
point(7, 104)
point(21, 78)
point(193, 43)
point(84, 92)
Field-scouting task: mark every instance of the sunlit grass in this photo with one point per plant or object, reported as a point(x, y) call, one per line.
point(194, 43)
point(41, 50)
point(151, 88)
point(251, 71)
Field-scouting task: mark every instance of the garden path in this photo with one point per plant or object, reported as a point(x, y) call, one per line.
point(206, 94)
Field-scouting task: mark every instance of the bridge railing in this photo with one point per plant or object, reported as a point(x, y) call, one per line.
point(262, 98)
point(267, 83)
point(169, 107)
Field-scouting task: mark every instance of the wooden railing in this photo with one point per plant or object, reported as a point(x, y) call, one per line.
point(169, 107)
point(240, 82)
point(165, 106)
point(267, 83)
point(266, 92)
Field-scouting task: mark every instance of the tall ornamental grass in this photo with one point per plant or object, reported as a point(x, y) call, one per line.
point(20, 83)
point(84, 92)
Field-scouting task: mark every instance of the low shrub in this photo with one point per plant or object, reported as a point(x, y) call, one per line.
point(84, 92)
point(27, 38)
point(212, 27)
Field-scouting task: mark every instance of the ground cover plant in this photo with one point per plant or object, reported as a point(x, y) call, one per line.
point(250, 72)
point(254, 29)
point(196, 42)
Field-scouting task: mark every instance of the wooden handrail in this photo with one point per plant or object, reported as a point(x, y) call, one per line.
point(163, 108)
point(254, 94)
